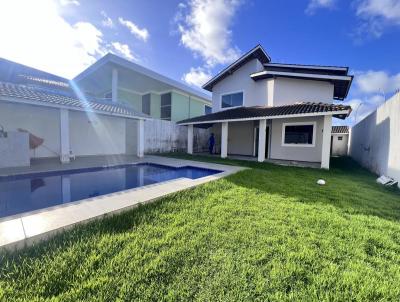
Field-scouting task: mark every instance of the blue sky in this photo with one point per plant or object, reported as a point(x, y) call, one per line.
point(191, 40)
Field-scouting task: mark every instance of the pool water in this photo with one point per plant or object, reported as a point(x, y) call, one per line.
point(28, 192)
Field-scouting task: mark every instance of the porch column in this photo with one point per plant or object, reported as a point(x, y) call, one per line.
point(224, 140)
point(114, 85)
point(326, 142)
point(64, 136)
point(140, 138)
point(190, 140)
point(261, 140)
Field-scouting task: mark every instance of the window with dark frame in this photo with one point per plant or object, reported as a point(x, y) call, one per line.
point(207, 109)
point(232, 100)
point(146, 104)
point(340, 138)
point(299, 134)
point(166, 106)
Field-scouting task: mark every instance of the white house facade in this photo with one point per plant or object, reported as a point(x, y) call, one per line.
point(275, 111)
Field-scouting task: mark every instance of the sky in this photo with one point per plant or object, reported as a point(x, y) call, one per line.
point(191, 40)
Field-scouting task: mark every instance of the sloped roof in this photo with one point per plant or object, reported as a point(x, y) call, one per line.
point(39, 96)
point(338, 76)
point(111, 60)
point(340, 129)
point(257, 52)
point(16, 73)
point(260, 112)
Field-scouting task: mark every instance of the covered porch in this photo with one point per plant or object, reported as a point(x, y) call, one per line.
point(297, 134)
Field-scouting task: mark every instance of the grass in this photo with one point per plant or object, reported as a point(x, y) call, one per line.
point(268, 233)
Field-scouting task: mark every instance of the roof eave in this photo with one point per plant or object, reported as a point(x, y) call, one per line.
point(208, 86)
point(114, 59)
point(342, 114)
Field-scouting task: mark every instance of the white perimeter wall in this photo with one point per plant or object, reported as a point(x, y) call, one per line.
point(90, 134)
point(375, 141)
point(94, 134)
point(41, 121)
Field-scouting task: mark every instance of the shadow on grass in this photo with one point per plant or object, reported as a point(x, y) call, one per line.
point(349, 187)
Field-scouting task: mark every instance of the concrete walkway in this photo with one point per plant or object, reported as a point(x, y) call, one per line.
point(28, 228)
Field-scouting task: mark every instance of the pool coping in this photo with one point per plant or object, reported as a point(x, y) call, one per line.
point(26, 229)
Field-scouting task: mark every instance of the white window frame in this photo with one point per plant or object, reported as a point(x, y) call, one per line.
point(314, 124)
point(227, 93)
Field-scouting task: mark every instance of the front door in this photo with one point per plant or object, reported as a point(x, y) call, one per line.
point(256, 133)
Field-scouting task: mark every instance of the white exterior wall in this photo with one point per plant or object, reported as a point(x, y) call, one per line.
point(254, 93)
point(339, 147)
point(94, 134)
point(90, 134)
point(14, 150)
point(289, 91)
point(271, 92)
point(241, 138)
point(375, 141)
point(298, 153)
point(40, 121)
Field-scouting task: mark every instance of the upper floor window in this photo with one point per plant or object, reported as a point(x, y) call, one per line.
point(298, 134)
point(207, 109)
point(166, 106)
point(232, 100)
point(146, 104)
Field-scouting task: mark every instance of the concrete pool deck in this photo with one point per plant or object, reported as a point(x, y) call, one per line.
point(28, 228)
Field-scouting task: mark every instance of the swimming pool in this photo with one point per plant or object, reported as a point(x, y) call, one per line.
point(34, 191)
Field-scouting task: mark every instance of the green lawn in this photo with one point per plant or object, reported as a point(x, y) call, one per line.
point(268, 233)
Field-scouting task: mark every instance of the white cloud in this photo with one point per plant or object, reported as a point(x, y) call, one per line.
point(204, 26)
point(140, 33)
point(124, 50)
point(313, 5)
point(39, 37)
point(376, 82)
point(69, 2)
point(196, 76)
point(386, 9)
point(107, 21)
point(375, 16)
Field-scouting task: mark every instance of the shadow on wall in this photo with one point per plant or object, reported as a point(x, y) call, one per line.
point(370, 144)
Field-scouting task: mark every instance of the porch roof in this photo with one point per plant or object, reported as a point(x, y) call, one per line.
point(260, 112)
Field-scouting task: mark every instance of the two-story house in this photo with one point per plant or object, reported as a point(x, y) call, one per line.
point(274, 111)
point(118, 80)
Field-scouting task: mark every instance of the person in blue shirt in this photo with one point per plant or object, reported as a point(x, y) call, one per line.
point(211, 143)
